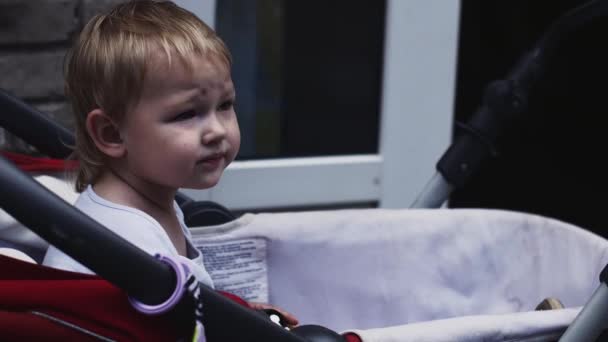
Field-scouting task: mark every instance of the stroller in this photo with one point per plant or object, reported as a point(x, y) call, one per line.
point(171, 300)
point(482, 275)
point(359, 271)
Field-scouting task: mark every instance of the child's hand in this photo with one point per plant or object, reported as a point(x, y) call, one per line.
point(290, 319)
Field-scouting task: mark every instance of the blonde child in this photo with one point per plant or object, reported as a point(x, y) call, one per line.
point(153, 100)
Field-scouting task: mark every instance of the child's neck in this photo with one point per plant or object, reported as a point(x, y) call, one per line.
point(126, 190)
point(153, 200)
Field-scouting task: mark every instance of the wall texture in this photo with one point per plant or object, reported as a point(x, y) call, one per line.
point(34, 37)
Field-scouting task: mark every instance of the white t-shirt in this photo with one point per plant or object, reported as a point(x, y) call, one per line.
point(135, 226)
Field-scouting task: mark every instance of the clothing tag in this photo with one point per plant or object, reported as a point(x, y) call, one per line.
point(237, 266)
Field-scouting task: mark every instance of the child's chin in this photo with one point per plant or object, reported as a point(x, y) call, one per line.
point(203, 184)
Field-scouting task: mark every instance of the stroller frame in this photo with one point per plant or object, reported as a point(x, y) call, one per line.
point(70, 230)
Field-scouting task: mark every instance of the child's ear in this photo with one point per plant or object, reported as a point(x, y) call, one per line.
point(105, 133)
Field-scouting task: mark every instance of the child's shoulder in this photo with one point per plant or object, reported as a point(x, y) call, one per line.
point(113, 215)
point(132, 224)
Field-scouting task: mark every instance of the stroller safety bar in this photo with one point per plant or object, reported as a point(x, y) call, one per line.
point(34, 127)
point(44, 134)
point(133, 270)
point(121, 263)
point(61, 224)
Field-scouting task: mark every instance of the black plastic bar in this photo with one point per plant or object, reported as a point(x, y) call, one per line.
point(118, 261)
point(225, 320)
point(44, 134)
point(506, 100)
point(82, 238)
point(34, 127)
point(568, 23)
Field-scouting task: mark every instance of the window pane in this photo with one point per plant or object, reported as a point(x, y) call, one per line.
point(307, 73)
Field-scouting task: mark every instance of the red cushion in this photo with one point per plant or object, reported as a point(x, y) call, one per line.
point(34, 297)
point(352, 337)
point(39, 164)
point(235, 298)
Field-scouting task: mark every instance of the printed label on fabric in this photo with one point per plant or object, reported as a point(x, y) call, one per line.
point(237, 266)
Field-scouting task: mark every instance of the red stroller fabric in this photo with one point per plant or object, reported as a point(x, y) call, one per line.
point(39, 164)
point(41, 303)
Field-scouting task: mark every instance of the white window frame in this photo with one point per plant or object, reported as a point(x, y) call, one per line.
point(419, 74)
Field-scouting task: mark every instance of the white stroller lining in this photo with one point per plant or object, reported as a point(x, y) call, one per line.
point(364, 269)
point(461, 274)
point(534, 326)
point(16, 254)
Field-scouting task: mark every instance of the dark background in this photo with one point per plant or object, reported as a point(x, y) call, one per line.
point(332, 77)
point(552, 162)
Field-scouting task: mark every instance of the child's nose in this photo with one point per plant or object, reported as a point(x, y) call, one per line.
point(214, 129)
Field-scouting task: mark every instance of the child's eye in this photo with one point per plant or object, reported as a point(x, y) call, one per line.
point(226, 105)
point(184, 116)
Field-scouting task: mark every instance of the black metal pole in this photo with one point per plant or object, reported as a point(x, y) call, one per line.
point(502, 106)
point(34, 127)
point(121, 263)
point(82, 238)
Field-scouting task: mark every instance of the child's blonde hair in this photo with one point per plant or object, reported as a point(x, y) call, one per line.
point(106, 66)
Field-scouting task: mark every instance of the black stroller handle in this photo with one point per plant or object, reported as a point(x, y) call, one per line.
point(40, 131)
point(504, 103)
point(142, 276)
point(34, 127)
point(83, 238)
point(568, 23)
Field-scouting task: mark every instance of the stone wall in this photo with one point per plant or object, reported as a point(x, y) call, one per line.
point(34, 37)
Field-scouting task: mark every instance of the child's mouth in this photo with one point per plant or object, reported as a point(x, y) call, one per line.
point(212, 161)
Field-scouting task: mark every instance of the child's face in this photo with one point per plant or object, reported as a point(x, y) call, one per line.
point(184, 131)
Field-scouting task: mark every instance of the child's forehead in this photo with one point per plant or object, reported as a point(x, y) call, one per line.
point(186, 72)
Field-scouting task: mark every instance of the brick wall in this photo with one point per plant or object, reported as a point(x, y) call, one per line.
point(34, 36)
